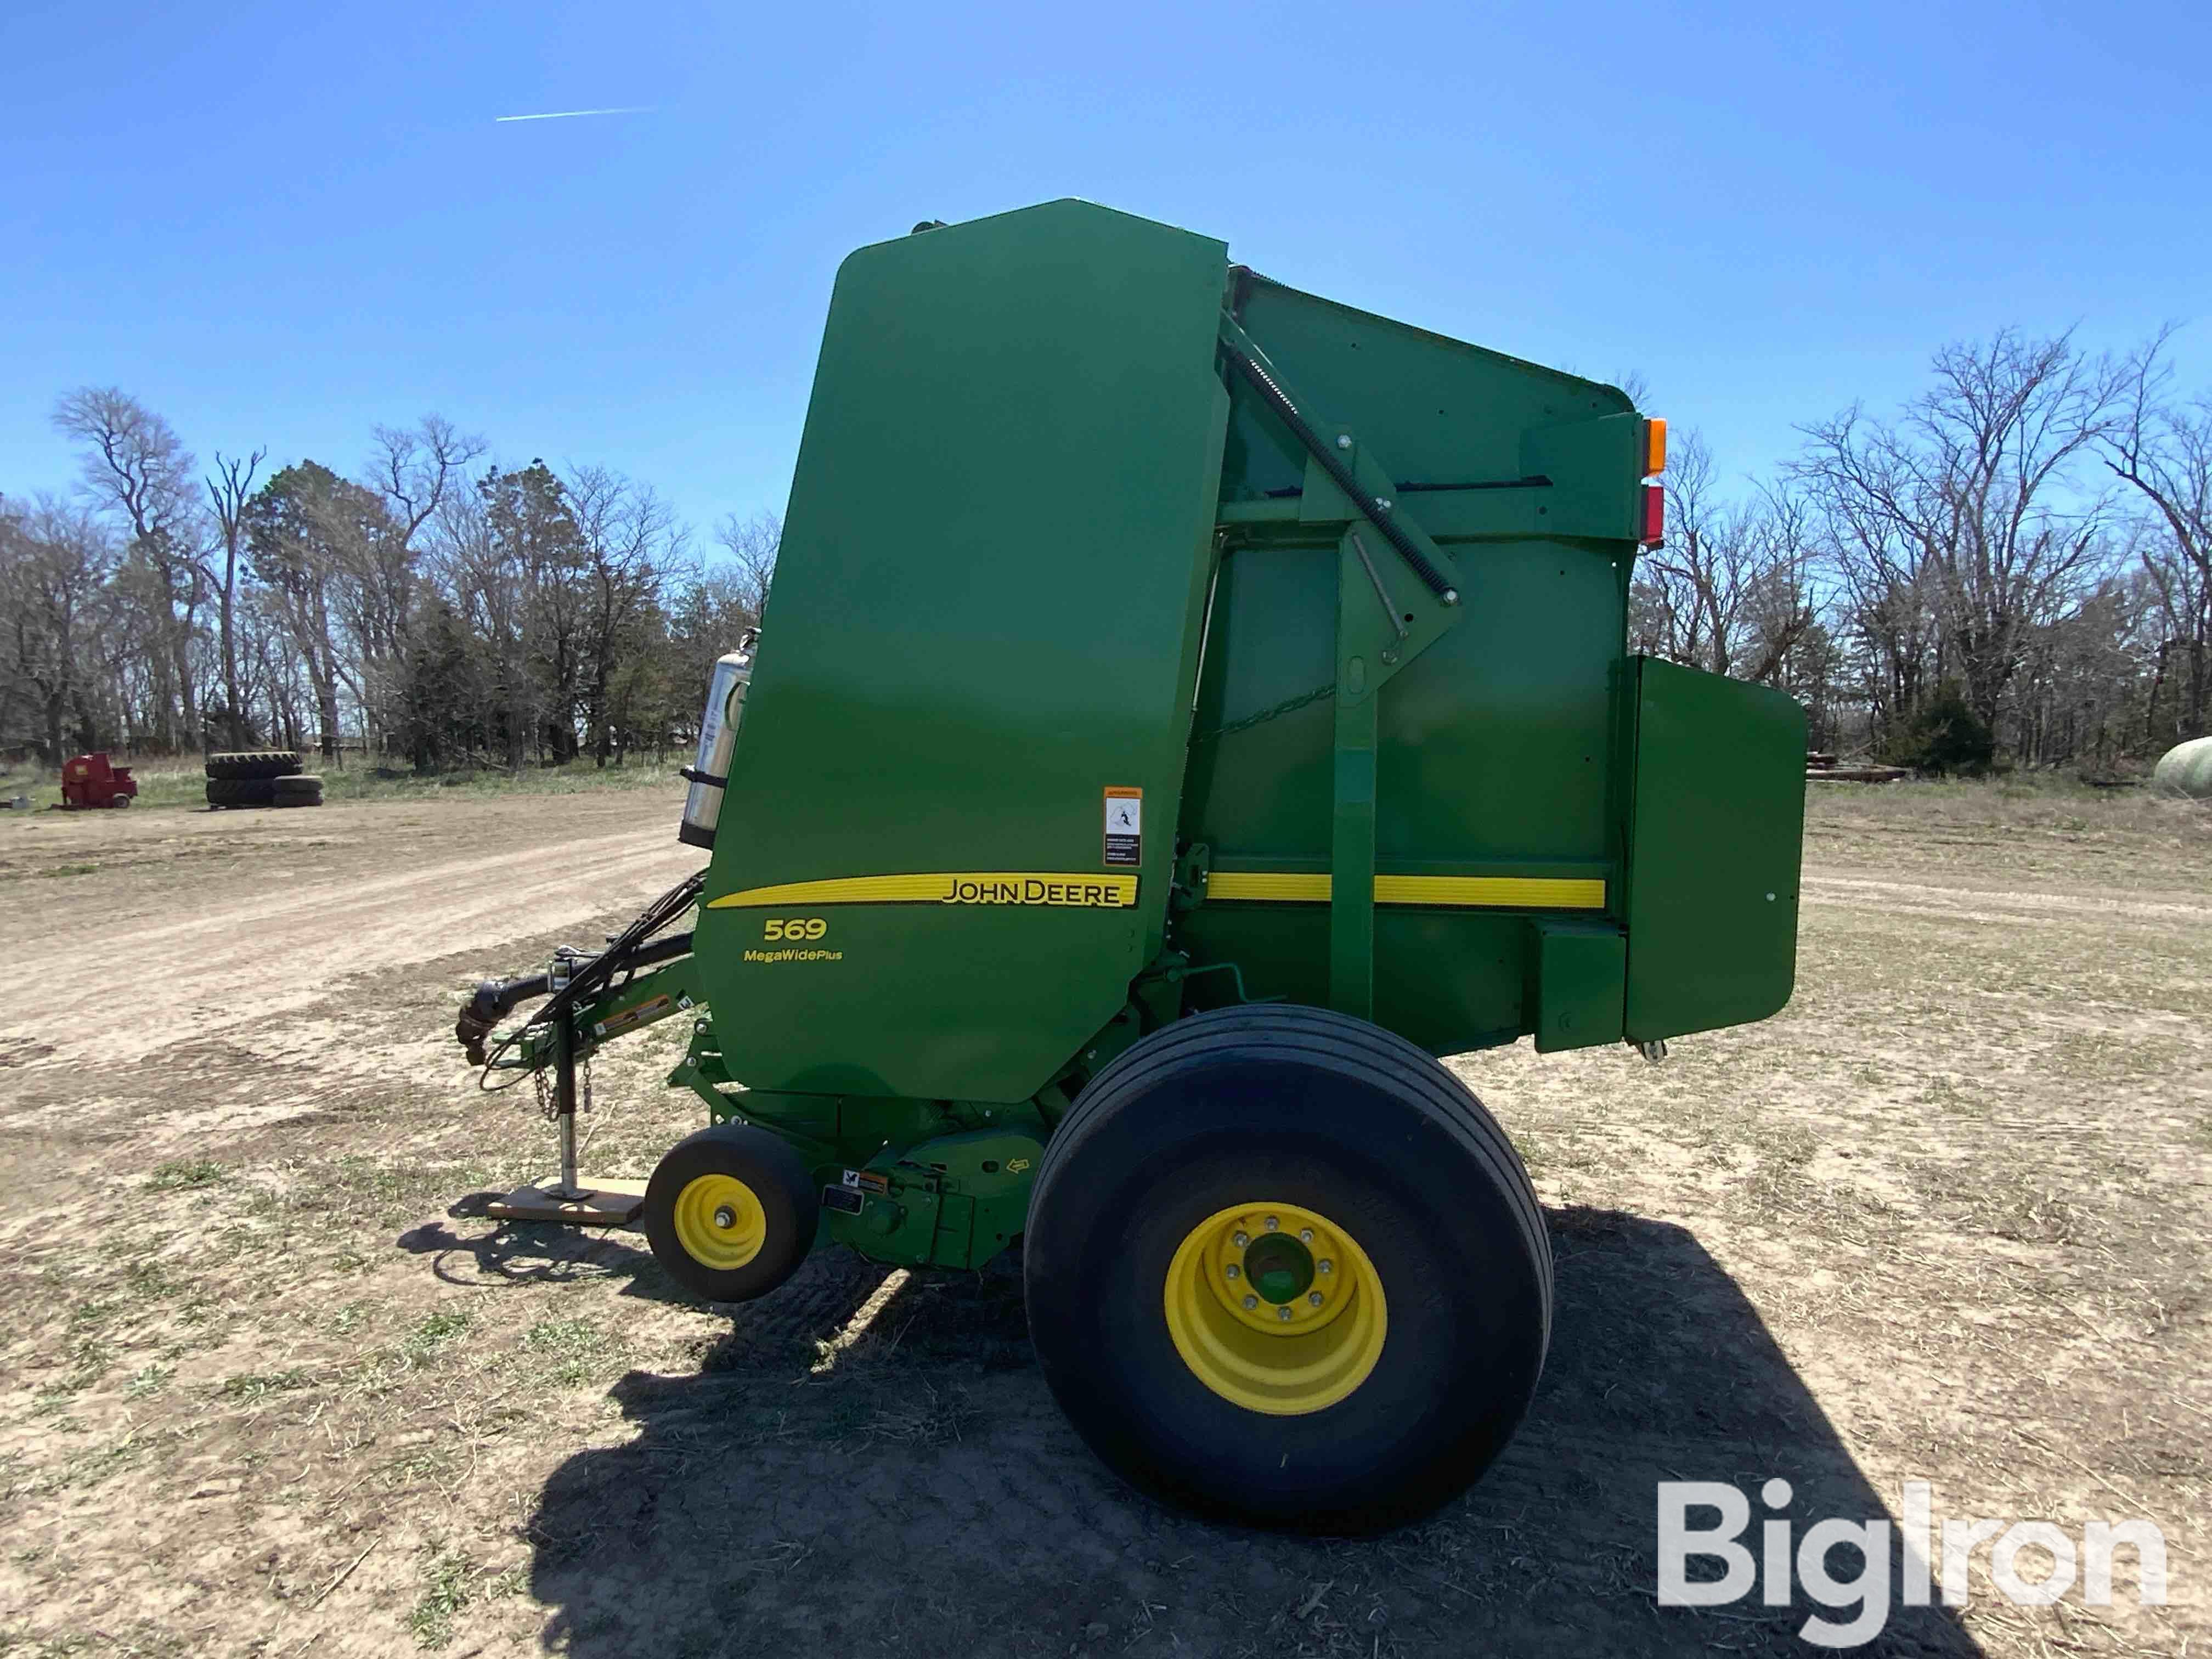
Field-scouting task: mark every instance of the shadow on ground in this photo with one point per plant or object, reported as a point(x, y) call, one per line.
point(534, 1253)
point(921, 1495)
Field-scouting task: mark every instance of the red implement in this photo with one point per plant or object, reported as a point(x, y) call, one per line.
point(93, 781)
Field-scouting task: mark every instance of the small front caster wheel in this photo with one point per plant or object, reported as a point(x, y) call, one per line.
point(731, 1212)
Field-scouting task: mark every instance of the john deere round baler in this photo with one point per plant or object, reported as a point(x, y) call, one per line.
point(1187, 706)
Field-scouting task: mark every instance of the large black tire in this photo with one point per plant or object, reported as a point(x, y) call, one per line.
point(1283, 1106)
point(241, 792)
point(256, 763)
point(686, 1195)
point(301, 789)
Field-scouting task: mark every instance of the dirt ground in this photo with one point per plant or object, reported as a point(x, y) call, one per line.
point(267, 1389)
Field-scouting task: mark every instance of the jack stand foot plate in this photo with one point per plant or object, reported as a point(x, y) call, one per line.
point(612, 1202)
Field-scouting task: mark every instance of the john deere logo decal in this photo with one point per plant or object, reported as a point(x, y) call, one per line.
point(1058, 889)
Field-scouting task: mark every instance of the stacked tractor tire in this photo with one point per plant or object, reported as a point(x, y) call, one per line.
point(262, 777)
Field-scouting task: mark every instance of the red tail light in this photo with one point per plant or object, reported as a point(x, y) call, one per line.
point(1654, 514)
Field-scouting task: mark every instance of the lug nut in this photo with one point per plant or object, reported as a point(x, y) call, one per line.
point(1251, 1302)
point(1272, 1223)
point(1240, 1240)
point(725, 1218)
point(1314, 1297)
point(1282, 1313)
point(1232, 1270)
point(1326, 1266)
point(1344, 440)
point(1305, 1234)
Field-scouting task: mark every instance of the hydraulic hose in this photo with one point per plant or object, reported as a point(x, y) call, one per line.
point(494, 1000)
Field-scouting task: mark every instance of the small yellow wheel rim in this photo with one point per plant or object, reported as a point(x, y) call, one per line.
point(1276, 1308)
point(720, 1222)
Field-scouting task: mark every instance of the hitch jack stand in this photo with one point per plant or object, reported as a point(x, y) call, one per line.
point(607, 1202)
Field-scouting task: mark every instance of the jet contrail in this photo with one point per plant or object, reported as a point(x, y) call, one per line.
point(563, 114)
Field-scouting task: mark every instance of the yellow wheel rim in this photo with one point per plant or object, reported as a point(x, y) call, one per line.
point(720, 1222)
point(1275, 1308)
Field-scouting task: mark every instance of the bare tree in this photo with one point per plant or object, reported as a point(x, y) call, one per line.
point(511, 559)
point(630, 539)
point(2082, 674)
point(752, 544)
point(1955, 530)
point(137, 468)
point(229, 487)
point(1727, 592)
point(2160, 447)
point(481, 600)
point(54, 558)
point(279, 675)
point(419, 473)
point(416, 468)
point(1885, 609)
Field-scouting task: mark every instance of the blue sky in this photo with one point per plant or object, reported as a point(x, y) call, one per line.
point(282, 224)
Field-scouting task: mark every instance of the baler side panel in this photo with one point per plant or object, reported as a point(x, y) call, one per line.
point(986, 613)
point(1438, 409)
point(1716, 837)
point(1496, 746)
point(1493, 763)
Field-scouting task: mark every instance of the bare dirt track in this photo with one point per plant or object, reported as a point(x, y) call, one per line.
point(328, 893)
point(262, 1393)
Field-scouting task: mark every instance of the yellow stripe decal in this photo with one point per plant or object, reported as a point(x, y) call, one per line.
point(1517, 892)
point(1279, 886)
point(1061, 888)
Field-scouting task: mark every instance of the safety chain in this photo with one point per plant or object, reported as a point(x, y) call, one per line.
point(1288, 706)
point(547, 1106)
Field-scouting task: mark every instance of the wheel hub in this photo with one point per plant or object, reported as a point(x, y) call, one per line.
point(1275, 1308)
point(718, 1221)
point(1279, 1268)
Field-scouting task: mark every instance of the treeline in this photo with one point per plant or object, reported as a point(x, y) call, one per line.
point(433, 606)
point(2016, 565)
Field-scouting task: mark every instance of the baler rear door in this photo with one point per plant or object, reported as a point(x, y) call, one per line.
point(1715, 840)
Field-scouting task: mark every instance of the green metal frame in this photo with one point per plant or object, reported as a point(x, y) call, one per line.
point(1383, 621)
point(645, 1000)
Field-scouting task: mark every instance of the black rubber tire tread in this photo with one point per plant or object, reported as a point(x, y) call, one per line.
point(241, 792)
point(301, 789)
point(779, 1178)
point(1323, 1031)
point(1362, 1055)
point(245, 764)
